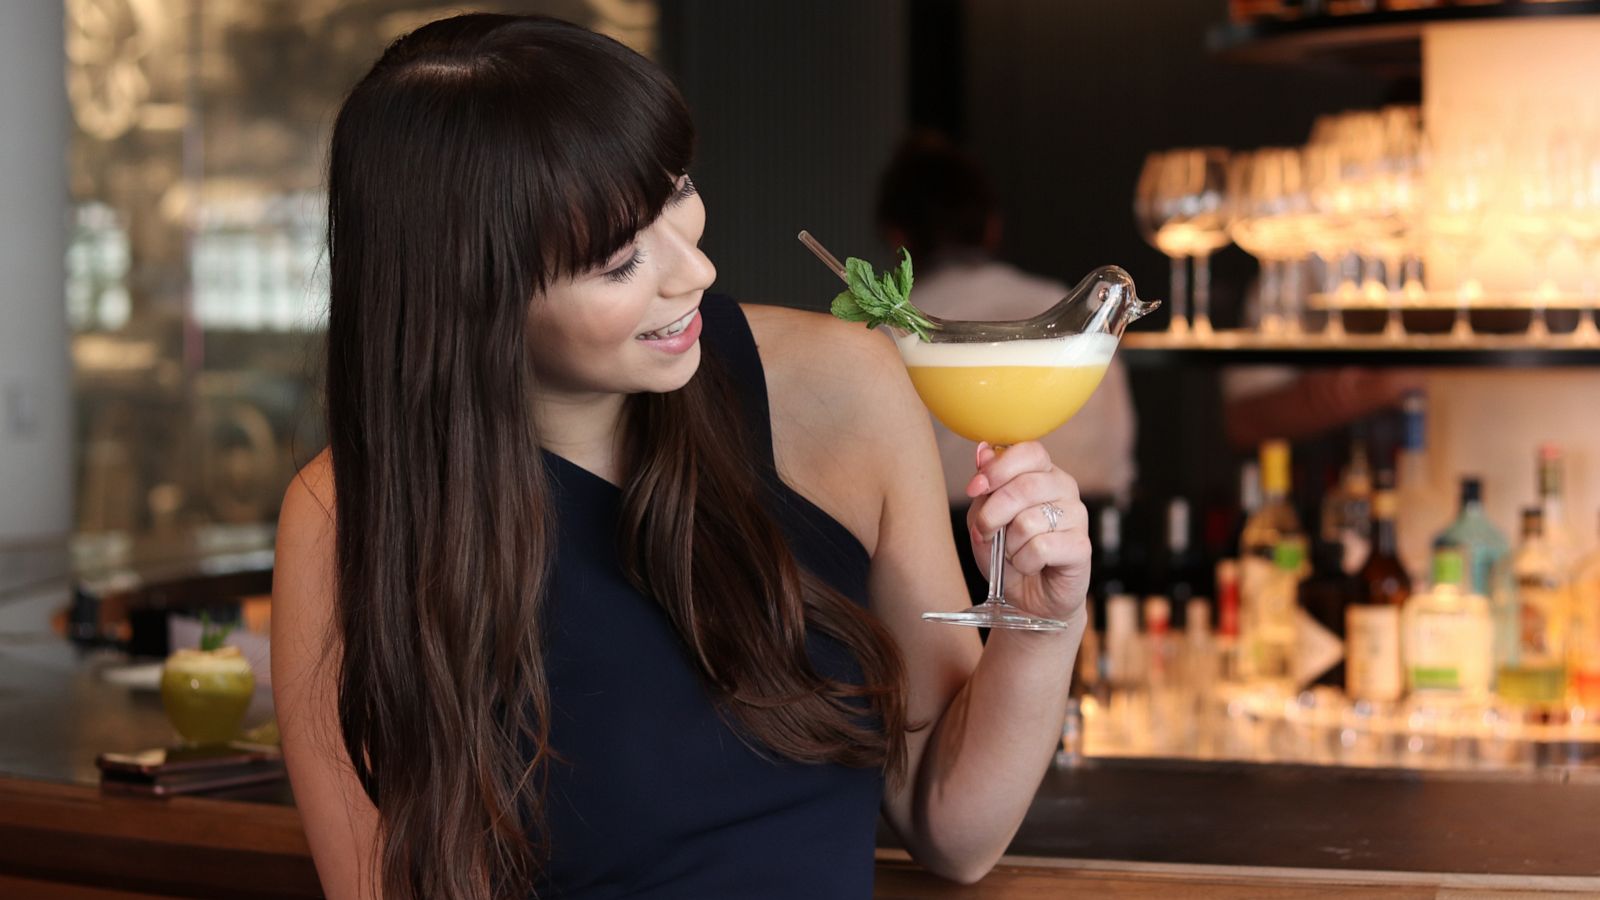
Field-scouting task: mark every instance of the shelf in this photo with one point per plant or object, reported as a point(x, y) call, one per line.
point(1231, 348)
point(1387, 42)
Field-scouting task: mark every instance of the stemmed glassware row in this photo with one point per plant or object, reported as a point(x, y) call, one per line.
point(1349, 218)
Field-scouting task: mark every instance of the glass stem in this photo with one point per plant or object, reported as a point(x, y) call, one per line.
point(997, 560)
point(1180, 296)
point(1202, 294)
point(1462, 329)
point(1269, 298)
point(997, 568)
point(1538, 325)
point(1394, 328)
point(1289, 301)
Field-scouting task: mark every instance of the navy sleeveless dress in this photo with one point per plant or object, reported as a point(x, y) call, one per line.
point(654, 796)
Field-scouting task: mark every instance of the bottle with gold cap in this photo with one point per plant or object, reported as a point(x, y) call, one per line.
point(1264, 567)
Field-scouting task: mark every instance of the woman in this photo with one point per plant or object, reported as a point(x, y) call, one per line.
point(547, 617)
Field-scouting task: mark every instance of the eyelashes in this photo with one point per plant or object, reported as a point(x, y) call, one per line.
point(621, 274)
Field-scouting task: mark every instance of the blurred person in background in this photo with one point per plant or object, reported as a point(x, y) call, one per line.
point(935, 200)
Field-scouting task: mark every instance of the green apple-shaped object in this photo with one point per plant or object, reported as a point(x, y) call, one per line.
point(206, 692)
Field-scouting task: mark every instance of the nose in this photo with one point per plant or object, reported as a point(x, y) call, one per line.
point(686, 269)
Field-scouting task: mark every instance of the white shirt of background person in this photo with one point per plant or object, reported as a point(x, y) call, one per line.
point(1095, 446)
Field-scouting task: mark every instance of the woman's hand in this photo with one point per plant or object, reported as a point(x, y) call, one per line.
point(1047, 569)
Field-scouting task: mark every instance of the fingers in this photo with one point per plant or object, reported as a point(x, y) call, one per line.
point(995, 468)
point(1030, 489)
point(1065, 550)
point(1033, 521)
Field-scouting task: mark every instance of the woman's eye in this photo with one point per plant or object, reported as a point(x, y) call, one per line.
point(625, 271)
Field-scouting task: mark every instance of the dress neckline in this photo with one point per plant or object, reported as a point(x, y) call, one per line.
point(583, 473)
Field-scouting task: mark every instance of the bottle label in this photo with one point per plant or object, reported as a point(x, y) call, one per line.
point(1447, 652)
point(1372, 633)
point(1266, 619)
point(1539, 623)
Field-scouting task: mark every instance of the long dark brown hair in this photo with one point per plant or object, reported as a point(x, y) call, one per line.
point(482, 159)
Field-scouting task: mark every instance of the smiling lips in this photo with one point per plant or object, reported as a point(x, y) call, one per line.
point(670, 330)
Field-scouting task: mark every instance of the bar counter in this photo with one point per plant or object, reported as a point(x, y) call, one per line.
point(1121, 827)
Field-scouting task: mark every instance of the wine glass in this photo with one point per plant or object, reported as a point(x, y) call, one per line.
point(1267, 199)
point(1181, 206)
point(1152, 210)
point(1014, 381)
point(1459, 171)
point(1535, 204)
point(1391, 204)
point(1328, 222)
point(1582, 222)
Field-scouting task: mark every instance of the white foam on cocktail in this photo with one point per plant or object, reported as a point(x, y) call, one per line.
point(1076, 350)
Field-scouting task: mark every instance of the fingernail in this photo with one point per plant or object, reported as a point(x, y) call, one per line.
point(982, 446)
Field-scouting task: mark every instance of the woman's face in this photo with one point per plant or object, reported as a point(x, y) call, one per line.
point(633, 325)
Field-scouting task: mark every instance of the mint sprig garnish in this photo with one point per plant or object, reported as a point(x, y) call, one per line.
point(880, 299)
point(211, 634)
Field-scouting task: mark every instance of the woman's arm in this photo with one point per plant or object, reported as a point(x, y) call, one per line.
point(996, 713)
point(842, 403)
point(340, 822)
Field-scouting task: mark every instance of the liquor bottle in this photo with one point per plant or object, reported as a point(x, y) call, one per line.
point(1531, 623)
point(1448, 637)
point(1160, 646)
point(1484, 549)
point(1268, 591)
point(1271, 620)
point(1373, 628)
point(1585, 639)
point(1557, 534)
point(1227, 635)
point(1325, 597)
point(1124, 660)
point(1347, 509)
point(1199, 657)
point(1107, 569)
point(1181, 566)
point(1250, 500)
point(1088, 674)
point(1383, 573)
point(1424, 497)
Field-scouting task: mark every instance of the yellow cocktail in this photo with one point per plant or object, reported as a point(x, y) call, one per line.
point(1005, 404)
point(1010, 392)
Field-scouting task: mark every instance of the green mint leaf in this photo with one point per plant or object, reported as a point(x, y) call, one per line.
point(880, 299)
point(845, 307)
point(863, 283)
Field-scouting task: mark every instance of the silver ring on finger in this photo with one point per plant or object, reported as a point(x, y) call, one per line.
point(1052, 515)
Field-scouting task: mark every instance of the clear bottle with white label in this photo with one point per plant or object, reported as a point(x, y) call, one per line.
point(1447, 643)
point(1532, 620)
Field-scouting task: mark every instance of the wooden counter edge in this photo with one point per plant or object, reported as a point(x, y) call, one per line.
point(1027, 878)
point(72, 842)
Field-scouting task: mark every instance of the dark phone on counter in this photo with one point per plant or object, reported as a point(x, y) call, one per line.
point(175, 760)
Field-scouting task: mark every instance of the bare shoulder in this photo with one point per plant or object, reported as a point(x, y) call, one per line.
point(303, 567)
point(841, 401)
point(312, 486)
point(841, 366)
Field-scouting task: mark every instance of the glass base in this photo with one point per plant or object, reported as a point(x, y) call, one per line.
point(997, 615)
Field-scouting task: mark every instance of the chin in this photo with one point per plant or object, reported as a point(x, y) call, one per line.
point(675, 373)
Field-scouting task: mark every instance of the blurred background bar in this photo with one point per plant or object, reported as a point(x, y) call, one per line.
point(1346, 586)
